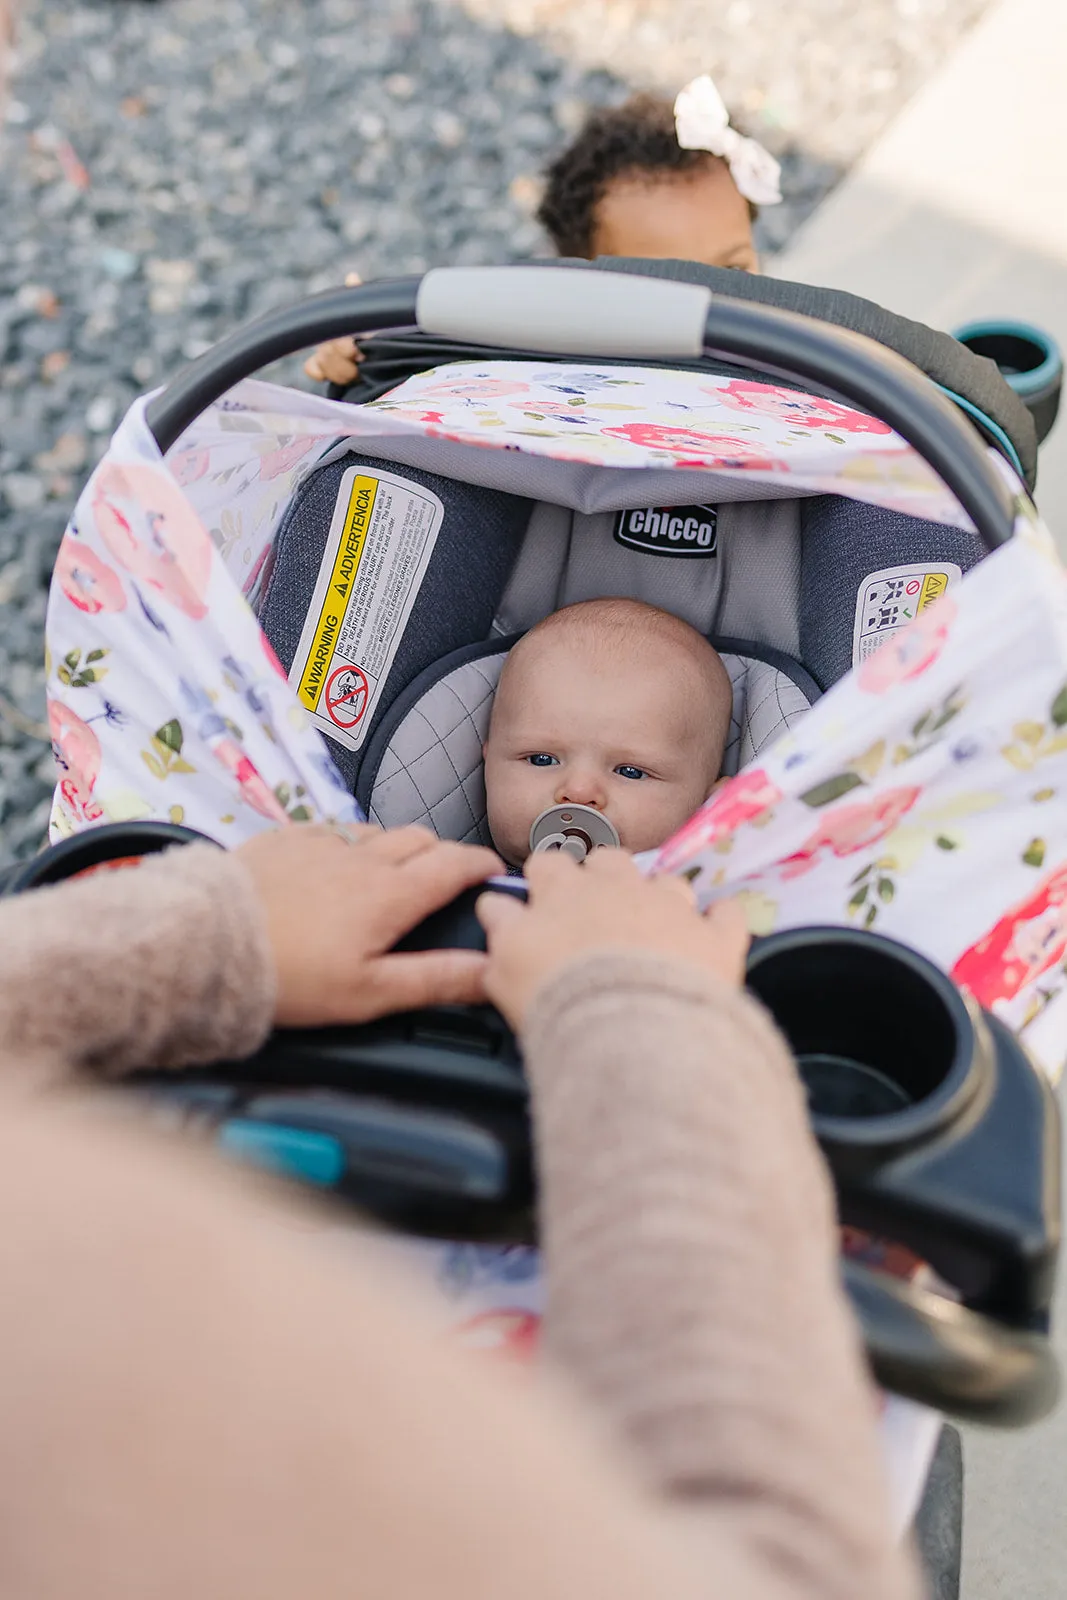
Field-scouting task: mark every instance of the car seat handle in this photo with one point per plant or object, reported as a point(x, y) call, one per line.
point(944, 1355)
point(566, 311)
point(553, 306)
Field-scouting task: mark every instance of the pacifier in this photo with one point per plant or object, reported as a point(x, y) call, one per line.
point(576, 830)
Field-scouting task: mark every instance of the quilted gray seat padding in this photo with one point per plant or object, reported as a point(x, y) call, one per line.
point(431, 770)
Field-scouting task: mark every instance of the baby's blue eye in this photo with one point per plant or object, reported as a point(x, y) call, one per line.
point(542, 759)
point(626, 771)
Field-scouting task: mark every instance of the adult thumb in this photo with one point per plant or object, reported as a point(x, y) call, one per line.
point(496, 912)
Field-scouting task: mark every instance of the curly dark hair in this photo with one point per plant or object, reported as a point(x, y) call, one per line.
point(636, 138)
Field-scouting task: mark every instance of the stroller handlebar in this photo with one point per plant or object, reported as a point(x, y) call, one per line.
point(581, 312)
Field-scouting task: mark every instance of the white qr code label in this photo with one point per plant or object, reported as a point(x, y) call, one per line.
point(891, 599)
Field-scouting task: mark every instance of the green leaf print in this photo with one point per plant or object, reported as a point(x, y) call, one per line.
point(1059, 708)
point(165, 757)
point(1034, 854)
point(832, 789)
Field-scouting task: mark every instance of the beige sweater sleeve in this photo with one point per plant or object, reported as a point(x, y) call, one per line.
point(692, 1281)
point(159, 966)
point(692, 1262)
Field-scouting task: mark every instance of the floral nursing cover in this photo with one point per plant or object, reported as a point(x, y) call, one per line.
point(923, 796)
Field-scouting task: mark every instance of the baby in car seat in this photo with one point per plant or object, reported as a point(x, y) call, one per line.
point(612, 704)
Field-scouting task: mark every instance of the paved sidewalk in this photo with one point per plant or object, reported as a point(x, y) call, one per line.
point(960, 211)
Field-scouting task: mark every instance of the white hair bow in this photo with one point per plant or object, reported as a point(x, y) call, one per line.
point(702, 122)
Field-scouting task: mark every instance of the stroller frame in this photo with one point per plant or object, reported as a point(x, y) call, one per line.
point(589, 315)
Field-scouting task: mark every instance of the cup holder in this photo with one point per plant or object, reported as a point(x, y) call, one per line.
point(883, 1041)
point(1030, 363)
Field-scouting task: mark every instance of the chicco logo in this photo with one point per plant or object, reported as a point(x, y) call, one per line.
point(669, 530)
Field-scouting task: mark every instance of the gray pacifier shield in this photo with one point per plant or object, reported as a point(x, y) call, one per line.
point(576, 830)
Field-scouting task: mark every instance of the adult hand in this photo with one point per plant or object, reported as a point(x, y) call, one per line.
point(604, 904)
point(335, 909)
point(338, 360)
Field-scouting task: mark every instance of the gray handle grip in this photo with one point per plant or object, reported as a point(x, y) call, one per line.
point(565, 311)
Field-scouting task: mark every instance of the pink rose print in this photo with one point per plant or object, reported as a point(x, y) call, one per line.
point(1027, 941)
point(701, 449)
point(77, 754)
point(476, 388)
point(253, 786)
point(189, 467)
point(152, 531)
point(741, 800)
point(88, 583)
point(908, 651)
point(274, 462)
point(846, 829)
point(801, 410)
point(512, 1335)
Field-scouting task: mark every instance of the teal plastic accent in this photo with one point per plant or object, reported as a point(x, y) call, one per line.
point(1024, 383)
point(992, 429)
point(294, 1152)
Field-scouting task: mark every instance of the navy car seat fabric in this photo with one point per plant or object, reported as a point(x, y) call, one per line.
point(842, 542)
point(390, 358)
point(478, 541)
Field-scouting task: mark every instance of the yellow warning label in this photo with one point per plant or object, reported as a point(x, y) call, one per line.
point(383, 529)
point(934, 585)
point(345, 566)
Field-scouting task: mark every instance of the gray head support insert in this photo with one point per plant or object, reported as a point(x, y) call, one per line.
point(576, 830)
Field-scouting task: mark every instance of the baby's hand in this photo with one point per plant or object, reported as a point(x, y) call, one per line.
point(605, 904)
point(338, 360)
point(335, 362)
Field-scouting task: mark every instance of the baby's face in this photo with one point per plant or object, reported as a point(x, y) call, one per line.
point(573, 724)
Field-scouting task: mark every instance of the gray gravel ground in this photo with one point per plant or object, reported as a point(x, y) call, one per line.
point(828, 74)
point(172, 167)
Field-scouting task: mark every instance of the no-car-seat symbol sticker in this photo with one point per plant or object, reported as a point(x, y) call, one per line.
point(346, 695)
